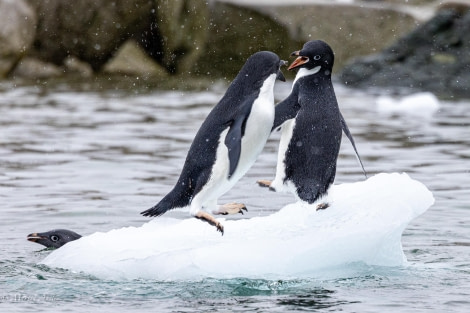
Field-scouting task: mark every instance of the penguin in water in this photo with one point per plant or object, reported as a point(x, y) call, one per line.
point(53, 239)
point(312, 126)
point(227, 143)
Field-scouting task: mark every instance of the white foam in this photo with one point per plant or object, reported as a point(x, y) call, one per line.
point(364, 224)
point(423, 104)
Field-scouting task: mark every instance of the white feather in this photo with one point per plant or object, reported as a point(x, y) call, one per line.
point(305, 72)
point(278, 182)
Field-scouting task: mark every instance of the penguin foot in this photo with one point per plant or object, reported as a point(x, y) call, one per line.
point(206, 217)
point(323, 206)
point(264, 183)
point(231, 208)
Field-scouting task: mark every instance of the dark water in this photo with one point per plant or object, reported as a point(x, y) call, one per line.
point(91, 161)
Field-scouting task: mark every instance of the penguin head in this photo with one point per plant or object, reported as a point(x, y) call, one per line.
point(315, 53)
point(260, 66)
point(55, 238)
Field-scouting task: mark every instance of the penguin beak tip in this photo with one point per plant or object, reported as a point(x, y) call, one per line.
point(298, 62)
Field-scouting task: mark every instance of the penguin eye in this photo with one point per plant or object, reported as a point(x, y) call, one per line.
point(54, 238)
point(317, 57)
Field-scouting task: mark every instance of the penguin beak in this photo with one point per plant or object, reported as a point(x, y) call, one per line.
point(34, 237)
point(297, 62)
point(280, 75)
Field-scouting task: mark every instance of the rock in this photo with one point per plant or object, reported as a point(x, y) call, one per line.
point(172, 32)
point(433, 57)
point(237, 32)
point(91, 30)
point(131, 59)
point(17, 29)
point(179, 34)
point(76, 66)
point(33, 68)
point(351, 30)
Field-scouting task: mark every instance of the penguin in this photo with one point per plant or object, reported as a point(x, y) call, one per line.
point(227, 143)
point(54, 239)
point(312, 126)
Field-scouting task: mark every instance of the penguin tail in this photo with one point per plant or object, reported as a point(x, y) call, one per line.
point(310, 191)
point(169, 202)
point(156, 210)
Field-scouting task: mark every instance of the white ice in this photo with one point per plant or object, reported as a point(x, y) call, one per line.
point(363, 224)
point(423, 104)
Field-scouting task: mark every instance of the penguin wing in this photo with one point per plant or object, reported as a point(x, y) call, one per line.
point(287, 109)
point(233, 140)
point(345, 128)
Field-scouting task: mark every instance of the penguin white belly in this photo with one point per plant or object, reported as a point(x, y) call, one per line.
point(257, 130)
point(278, 183)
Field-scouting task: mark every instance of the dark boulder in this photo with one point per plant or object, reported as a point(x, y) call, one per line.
point(236, 32)
point(172, 32)
point(88, 29)
point(433, 57)
point(177, 34)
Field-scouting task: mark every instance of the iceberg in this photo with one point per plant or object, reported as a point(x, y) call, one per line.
point(364, 223)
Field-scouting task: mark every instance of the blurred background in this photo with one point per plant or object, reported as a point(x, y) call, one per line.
point(417, 44)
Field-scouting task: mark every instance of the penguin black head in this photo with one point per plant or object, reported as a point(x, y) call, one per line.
point(260, 66)
point(55, 238)
point(313, 54)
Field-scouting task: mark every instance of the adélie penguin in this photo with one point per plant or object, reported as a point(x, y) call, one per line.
point(55, 238)
point(311, 125)
point(227, 143)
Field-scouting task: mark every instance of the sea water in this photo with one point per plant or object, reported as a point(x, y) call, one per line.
point(91, 161)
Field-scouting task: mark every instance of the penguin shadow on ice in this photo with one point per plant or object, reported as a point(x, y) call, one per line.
point(311, 125)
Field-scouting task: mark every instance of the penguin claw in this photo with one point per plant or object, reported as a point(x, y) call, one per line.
point(220, 228)
point(323, 206)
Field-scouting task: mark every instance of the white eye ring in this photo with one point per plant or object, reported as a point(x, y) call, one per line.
point(317, 57)
point(54, 238)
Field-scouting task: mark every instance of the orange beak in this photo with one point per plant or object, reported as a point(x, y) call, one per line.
point(297, 62)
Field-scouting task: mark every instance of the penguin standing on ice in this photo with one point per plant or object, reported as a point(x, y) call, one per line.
point(228, 142)
point(312, 126)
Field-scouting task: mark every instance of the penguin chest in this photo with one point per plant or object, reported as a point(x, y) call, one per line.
point(257, 130)
point(280, 184)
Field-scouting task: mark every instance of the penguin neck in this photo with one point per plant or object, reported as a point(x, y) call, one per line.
point(314, 80)
point(266, 90)
point(306, 72)
point(240, 87)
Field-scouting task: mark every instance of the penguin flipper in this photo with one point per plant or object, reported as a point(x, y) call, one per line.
point(286, 110)
point(233, 141)
point(345, 128)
